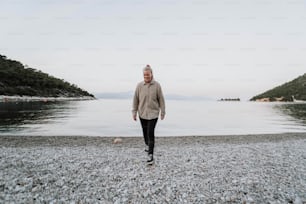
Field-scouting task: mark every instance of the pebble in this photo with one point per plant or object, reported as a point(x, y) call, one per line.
point(117, 141)
point(298, 200)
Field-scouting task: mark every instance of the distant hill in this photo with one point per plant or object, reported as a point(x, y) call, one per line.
point(286, 92)
point(130, 94)
point(17, 79)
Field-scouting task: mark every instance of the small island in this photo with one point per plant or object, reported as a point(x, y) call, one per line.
point(20, 82)
point(293, 91)
point(229, 99)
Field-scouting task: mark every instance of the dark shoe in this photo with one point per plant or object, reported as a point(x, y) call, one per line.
point(150, 159)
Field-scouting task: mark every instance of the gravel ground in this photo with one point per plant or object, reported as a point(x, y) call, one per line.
point(208, 169)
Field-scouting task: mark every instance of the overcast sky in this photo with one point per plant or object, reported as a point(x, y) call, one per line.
point(226, 48)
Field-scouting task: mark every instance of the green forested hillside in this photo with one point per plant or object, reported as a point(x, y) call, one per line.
point(16, 79)
point(295, 88)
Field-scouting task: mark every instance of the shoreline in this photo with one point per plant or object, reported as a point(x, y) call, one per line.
point(4, 98)
point(25, 140)
point(190, 169)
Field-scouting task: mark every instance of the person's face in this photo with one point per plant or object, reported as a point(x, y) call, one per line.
point(147, 75)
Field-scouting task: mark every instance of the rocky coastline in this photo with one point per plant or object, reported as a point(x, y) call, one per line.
point(4, 98)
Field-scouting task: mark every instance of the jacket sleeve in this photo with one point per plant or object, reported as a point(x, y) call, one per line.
point(161, 101)
point(135, 101)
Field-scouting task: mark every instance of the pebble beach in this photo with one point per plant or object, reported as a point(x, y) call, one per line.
point(194, 169)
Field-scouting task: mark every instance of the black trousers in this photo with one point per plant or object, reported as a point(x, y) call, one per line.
point(148, 129)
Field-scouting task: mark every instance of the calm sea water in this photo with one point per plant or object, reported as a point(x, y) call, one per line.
point(113, 118)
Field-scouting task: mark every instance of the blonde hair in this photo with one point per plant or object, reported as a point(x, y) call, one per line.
point(148, 68)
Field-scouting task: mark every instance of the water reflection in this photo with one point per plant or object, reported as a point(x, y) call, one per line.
point(295, 110)
point(14, 115)
point(113, 118)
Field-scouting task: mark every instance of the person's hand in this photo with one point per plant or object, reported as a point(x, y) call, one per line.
point(162, 117)
point(135, 117)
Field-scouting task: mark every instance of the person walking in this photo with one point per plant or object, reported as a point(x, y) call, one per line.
point(148, 102)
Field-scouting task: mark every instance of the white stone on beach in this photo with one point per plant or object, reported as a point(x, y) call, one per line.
point(117, 141)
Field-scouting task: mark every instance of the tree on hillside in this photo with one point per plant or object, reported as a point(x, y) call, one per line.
point(295, 88)
point(18, 79)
